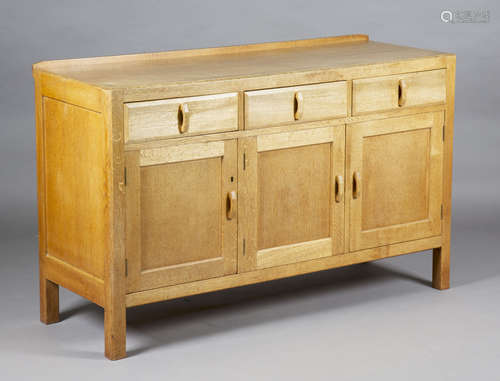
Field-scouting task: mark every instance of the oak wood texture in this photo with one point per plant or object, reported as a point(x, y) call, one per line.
point(115, 316)
point(287, 187)
point(173, 154)
point(75, 162)
point(248, 66)
point(181, 116)
point(49, 301)
point(266, 108)
point(177, 225)
point(211, 71)
point(400, 163)
point(76, 234)
point(402, 90)
point(49, 291)
point(171, 174)
point(284, 128)
point(441, 254)
point(279, 272)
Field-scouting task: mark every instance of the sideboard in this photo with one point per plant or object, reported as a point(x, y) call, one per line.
point(169, 174)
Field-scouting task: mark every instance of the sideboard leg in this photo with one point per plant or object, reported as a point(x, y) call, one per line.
point(441, 255)
point(115, 331)
point(49, 301)
point(441, 267)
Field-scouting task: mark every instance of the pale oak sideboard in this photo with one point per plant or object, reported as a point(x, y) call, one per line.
point(171, 174)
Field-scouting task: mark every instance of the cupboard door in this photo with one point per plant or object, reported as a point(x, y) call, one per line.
point(181, 214)
point(291, 204)
point(396, 186)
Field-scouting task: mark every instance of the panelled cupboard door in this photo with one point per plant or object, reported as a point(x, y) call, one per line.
point(181, 218)
point(291, 191)
point(395, 191)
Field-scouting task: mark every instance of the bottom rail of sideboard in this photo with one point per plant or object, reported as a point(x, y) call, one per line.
point(268, 274)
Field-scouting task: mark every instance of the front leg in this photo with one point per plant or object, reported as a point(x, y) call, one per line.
point(49, 301)
point(115, 331)
point(441, 267)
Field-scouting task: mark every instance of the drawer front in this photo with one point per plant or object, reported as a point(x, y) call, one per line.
point(266, 108)
point(398, 91)
point(177, 117)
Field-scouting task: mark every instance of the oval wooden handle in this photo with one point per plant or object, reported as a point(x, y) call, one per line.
point(402, 86)
point(183, 118)
point(231, 205)
point(356, 185)
point(339, 188)
point(298, 101)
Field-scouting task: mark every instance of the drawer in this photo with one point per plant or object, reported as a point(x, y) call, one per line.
point(398, 91)
point(177, 117)
point(266, 108)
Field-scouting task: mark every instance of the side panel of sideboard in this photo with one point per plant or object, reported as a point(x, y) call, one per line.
point(73, 191)
point(81, 204)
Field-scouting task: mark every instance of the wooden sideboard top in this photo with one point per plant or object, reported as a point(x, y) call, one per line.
point(149, 70)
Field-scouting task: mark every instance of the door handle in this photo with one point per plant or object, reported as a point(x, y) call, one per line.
point(339, 188)
point(183, 118)
point(231, 205)
point(402, 86)
point(298, 105)
point(356, 185)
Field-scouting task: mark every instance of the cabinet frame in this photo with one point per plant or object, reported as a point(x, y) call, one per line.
point(107, 98)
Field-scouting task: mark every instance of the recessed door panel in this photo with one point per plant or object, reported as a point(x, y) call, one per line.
point(294, 185)
point(177, 220)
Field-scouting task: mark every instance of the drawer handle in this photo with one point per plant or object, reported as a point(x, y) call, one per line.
point(401, 92)
point(183, 118)
point(356, 185)
point(298, 107)
point(339, 188)
point(231, 207)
